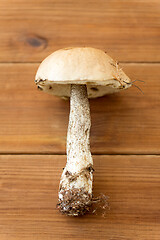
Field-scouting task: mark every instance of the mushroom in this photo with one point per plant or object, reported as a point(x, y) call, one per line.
point(79, 73)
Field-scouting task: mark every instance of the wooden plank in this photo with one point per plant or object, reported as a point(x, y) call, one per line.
point(128, 30)
point(28, 197)
point(31, 121)
point(47, 4)
point(34, 122)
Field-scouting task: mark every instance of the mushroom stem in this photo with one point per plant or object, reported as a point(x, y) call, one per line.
point(75, 191)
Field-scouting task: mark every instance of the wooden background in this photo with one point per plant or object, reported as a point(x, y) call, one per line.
point(125, 135)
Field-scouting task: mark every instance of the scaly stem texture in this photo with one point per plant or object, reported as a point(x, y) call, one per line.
point(75, 192)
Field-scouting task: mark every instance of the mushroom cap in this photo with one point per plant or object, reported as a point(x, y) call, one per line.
point(81, 65)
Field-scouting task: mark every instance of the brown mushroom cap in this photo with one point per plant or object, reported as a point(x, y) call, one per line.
point(81, 65)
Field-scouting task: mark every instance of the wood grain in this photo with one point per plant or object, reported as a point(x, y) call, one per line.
point(34, 122)
point(127, 30)
point(28, 197)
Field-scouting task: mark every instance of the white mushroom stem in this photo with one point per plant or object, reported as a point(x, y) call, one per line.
point(75, 192)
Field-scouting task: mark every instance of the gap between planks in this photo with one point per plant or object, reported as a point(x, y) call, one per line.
point(94, 154)
point(120, 62)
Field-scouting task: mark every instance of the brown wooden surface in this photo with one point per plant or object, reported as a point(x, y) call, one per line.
point(35, 123)
point(28, 196)
point(128, 30)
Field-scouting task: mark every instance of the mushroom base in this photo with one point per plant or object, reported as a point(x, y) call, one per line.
point(74, 202)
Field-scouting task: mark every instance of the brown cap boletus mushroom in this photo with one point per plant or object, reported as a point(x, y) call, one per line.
point(79, 73)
